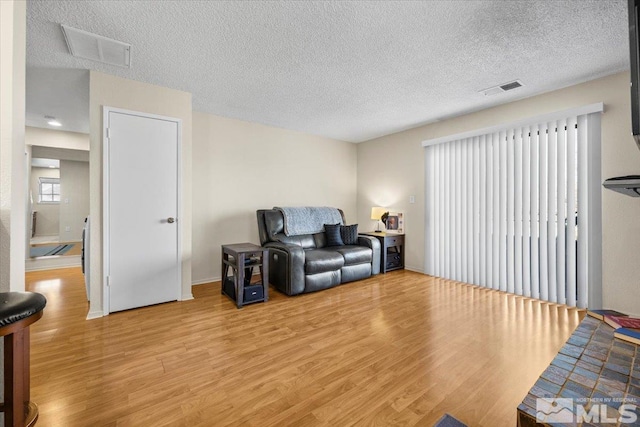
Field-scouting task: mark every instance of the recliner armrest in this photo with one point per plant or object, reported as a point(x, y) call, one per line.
point(374, 244)
point(286, 267)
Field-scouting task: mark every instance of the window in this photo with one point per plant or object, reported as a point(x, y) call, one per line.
point(49, 190)
point(516, 207)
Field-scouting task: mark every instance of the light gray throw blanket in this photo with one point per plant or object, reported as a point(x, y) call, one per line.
point(308, 220)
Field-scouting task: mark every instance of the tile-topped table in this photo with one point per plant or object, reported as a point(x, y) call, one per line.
point(592, 369)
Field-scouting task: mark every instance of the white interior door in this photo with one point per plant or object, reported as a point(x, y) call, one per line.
point(141, 209)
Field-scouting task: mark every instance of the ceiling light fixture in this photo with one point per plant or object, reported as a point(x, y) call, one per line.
point(51, 121)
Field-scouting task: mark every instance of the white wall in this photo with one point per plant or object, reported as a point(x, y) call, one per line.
point(403, 159)
point(56, 138)
point(48, 216)
point(74, 199)
point(13, 185)
point(27, 202)
point(59, 153)
point(13, 180)
point(239, 167)
point(111, 91)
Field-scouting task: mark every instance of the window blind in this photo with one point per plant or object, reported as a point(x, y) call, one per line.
point(517, 207)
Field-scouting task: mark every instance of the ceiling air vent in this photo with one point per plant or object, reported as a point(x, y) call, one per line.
point(502, 88)
point(83, 44)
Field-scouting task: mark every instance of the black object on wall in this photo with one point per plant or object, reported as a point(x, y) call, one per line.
point(634, 56)
point(630, 185)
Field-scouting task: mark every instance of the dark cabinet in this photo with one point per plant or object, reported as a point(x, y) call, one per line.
point(241, 258)
point(391, 250)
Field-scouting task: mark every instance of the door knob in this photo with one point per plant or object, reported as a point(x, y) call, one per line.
point(171, 220)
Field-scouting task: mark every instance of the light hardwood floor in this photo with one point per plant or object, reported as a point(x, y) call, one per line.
point(397, 349)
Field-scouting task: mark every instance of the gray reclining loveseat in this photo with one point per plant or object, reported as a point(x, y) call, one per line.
point(301, 263)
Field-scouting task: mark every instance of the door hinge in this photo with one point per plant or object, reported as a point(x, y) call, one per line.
point(108, 132)
point(108, 281)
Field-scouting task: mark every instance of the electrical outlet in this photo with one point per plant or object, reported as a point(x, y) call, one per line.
point(67, 228)
point(412, 199)
point(66, 201)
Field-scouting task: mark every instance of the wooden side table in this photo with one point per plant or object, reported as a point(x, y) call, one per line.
point(392, 250)
point(242, 258)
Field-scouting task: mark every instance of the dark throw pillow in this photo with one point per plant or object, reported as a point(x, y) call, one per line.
point(349, 234)
point(333, 235)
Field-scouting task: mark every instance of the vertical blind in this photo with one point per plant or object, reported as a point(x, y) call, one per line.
point(516, 207)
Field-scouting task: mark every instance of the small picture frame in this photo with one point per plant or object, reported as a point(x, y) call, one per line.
point(395, 222)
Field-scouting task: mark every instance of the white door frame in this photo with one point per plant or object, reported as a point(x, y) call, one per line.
point(106, 203)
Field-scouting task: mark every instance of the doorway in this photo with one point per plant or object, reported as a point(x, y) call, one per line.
point(56, 132)
point(58, 203)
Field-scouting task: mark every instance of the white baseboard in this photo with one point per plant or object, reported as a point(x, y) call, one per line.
point(205, 281)
point(186, 297)
point(52, 263)
point(94, 314)
point(217, 279)
point(214, 279)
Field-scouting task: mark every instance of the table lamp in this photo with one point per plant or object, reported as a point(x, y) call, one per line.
point(376, 214)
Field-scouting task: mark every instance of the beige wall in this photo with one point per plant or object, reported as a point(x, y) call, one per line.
point(74, 199)
point(239, 167)
point(111, 91)
point(403, 160)
point(56, 138)
point(48, 216)
point(13, 171)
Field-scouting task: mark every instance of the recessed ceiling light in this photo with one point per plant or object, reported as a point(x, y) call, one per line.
point(51, 121)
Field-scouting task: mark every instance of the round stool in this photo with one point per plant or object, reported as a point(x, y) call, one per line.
point(18, 310)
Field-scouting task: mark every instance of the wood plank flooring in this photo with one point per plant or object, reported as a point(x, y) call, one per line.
point(397, 349)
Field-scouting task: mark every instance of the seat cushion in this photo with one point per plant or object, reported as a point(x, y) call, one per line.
point(355, 254)
point(322, 260)
point(15, 306)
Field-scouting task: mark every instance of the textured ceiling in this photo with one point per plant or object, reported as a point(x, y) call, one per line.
point(60, 93)
point(346, 70)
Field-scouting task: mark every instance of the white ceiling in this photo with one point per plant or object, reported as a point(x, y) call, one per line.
point(59, 93)
point(346, 70)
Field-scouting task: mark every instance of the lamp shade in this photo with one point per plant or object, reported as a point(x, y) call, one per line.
point(377, 212)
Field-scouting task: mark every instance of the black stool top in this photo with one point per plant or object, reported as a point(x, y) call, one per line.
point(15, 306)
